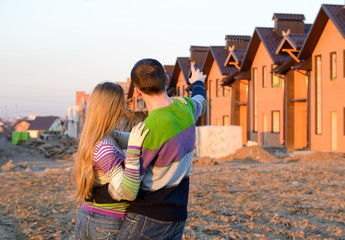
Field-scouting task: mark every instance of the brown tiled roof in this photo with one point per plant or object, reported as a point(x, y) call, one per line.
point(288, 17)
point(336, 13)
point(42, 123)
point(293, 40)
point(298, 39)
point(270, 40)
point(237, 54)
point(169, 70)
point(220, 54)
point(185, 66)
point(237, 37)
point(307, 28)
point(19, 121)
point(182, 64)
point(199, 48)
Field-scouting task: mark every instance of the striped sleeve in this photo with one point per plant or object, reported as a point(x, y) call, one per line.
point(123, 182)
point(199, 99)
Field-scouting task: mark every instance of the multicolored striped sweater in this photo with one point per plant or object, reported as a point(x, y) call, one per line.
point(119, 174)
point(166, 158)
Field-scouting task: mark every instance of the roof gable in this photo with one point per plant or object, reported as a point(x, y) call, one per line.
point(42, 123)
point(336, 13)
point(182, 65)
point(235, 57)
point(291, 41)
point(22, 120)
point(219, 55)
point(270, 41)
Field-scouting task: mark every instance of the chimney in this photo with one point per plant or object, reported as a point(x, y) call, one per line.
point(239, 41)
point(198, 54)
point(285, 21)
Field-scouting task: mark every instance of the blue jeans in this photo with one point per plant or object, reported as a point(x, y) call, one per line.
point(137, 227)
point(90, 225)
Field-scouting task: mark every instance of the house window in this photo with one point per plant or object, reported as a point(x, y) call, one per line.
point(217, 87)
point(318, 89)
point(226, 90)
point(226, 120)
point(344, 122)
point(264, 76)
point(275, 121)
point(333, 66)
point(178, 91)
point(210, 88)
point(275, 77)
point(255, 100)
point(344, 62)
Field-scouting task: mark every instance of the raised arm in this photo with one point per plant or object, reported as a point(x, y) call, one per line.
point(198, 92)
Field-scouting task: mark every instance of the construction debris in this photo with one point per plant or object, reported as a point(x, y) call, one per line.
point(60, 149)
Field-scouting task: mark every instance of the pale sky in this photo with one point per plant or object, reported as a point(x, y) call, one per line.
point(49, 49)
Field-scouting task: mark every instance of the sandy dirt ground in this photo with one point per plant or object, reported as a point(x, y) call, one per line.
point(253, 194)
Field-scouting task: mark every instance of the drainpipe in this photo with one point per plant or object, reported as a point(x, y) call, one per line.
point(284, 111)
point(308, 112)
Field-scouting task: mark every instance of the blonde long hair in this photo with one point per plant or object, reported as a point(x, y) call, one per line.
point(102, 114)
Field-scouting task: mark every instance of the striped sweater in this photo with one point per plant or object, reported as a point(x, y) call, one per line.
point(166, 158)
point(119, 174)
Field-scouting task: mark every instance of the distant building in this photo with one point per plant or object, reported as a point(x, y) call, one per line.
point(42, 124)
point(237, 46)
point(22, 125)
point(266, 116)
point(82, 99)
point(73, 121)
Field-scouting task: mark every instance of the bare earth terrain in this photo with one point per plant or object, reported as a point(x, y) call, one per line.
point(253, 194)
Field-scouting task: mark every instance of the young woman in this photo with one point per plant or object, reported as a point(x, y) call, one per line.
point(100, 162)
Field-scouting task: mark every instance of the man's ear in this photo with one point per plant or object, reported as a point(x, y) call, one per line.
point(166, 80)
point(137, 91)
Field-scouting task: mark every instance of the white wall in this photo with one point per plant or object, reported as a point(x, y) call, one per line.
point(56, 126)
point(217, 141)
point(73, 121)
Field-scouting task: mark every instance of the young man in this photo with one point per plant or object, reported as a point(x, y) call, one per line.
point(160, 209)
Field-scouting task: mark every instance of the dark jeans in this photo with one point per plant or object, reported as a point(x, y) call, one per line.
point(137, 227)
point(90, 225)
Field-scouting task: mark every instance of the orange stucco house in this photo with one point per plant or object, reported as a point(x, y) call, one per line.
point(22, 125)
point(134, 102)
point(266, 99)
point(179, 78)
point(324, 48)
point(179, 83)
point(219, 96)
point(239, 85)
point(295, 90)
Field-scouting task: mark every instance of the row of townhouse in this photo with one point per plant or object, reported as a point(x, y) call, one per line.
point(283, 85)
